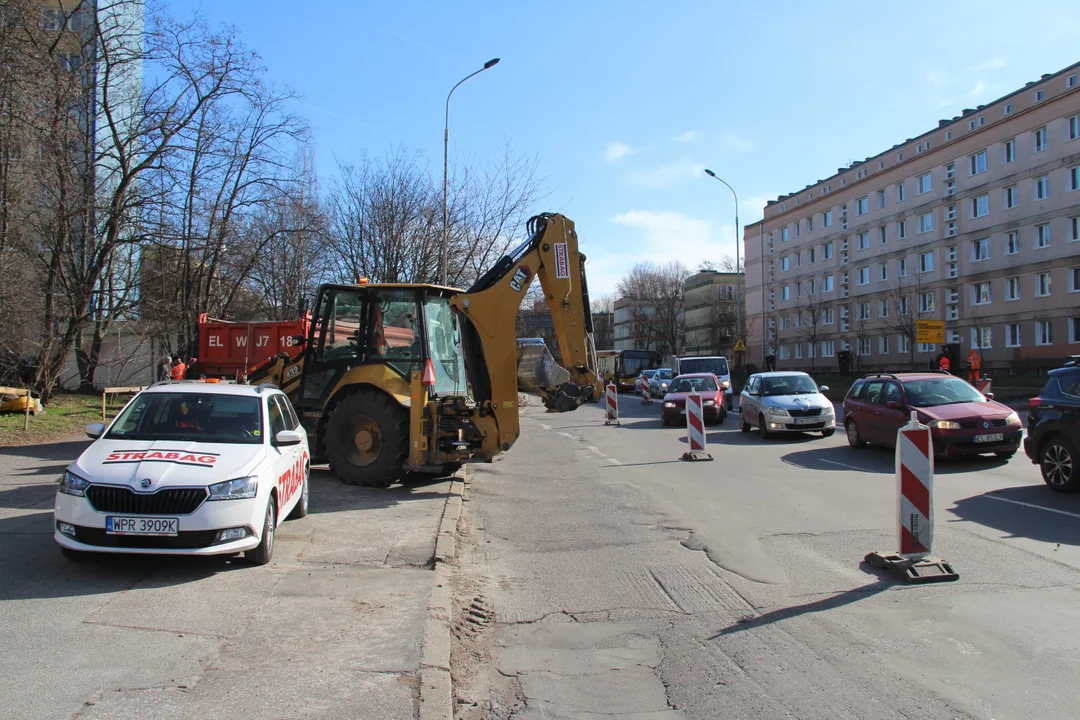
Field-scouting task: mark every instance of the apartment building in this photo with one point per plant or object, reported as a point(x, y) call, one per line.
point(976, 223)
point(709, 299)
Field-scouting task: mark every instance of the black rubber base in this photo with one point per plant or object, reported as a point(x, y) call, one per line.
point(912, 571)
point(697, 456)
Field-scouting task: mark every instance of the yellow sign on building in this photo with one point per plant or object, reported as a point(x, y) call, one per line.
point(930, 332)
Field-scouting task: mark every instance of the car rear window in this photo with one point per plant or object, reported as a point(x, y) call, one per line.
point(716, 366)
point(1069, 383)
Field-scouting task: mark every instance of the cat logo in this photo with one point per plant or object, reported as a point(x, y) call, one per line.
point(520, 279)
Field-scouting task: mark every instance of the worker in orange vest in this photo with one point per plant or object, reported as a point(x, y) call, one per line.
point(974, 366)
point(943, 363)
point(178, 369)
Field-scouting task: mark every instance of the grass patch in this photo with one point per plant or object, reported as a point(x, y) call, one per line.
point(66, 416)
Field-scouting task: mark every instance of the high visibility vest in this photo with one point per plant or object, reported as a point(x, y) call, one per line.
point(944, 365)
point(178, 371)
point(973, 361)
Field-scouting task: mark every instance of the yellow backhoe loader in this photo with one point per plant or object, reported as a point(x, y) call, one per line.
point(396, 378)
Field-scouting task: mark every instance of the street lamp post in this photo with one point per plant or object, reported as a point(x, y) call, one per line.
point(444, 260)
point(738, 292)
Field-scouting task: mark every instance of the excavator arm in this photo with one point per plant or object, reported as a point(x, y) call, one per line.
point(491, 307)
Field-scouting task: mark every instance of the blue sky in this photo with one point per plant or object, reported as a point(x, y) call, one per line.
point(625, 103)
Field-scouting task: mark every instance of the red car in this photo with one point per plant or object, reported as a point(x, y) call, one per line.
point(713, 410)
point(962, 420)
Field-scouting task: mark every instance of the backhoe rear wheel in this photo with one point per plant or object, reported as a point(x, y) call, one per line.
point(367, 439)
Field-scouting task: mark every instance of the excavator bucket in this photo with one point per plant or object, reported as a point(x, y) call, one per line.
point(537, 370)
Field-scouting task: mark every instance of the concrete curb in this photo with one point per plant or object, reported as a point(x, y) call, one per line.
point(436, 688)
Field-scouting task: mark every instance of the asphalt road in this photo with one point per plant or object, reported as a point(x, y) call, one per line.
point(621, 581)
point(332, 628)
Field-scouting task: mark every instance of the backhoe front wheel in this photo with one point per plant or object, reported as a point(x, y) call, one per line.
point(367, 439)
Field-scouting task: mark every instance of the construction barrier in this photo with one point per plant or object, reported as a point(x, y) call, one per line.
point(645, 399)
point(983, 385)
point(915, 510)
point(612, 405)
point(695, 429)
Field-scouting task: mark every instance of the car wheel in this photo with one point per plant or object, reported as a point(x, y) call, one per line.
point(75, 556)
point(763, 428)
point(262, 554)
point(367, 438)
point(301, 508)
point(743, 425)
point(1057, 461)
point(828, 433)
point(854, 437)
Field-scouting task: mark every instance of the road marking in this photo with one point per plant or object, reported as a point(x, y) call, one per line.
point(546, 427)
point(566, 434)
point(1033, 505)
point(845, 465)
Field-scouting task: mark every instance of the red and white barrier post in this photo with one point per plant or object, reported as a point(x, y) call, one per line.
point(695, 429)
point(645, 398)
point(983, 385)
point(612, 405)
point(915, 510)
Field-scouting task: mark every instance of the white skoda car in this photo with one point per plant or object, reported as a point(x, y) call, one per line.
point(187, 468)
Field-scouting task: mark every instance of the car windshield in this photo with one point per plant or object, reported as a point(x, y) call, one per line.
point(663, 374)
point(648, 374)
point(694, 384)
point(941, 391)
point(190, 416)
point(788, 385)
point(716, 365)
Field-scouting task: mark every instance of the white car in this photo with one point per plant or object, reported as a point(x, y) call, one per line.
point(187, 468)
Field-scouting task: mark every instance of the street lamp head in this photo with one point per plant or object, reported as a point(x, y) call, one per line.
point(491, 63)
point(709, 172)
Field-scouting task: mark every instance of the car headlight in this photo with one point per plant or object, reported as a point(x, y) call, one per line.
point(708, 402)
point(663, 386)
point(1013, 419)
point(944, 424)
point(238, 489)
point(669, 404)
point(827, 410)
point(776, 412)
point(72, 484)
point(725, 384)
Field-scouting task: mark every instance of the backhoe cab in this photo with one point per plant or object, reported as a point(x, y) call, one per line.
point(400, 377)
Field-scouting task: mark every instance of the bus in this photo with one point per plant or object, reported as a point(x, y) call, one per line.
point(623, 366)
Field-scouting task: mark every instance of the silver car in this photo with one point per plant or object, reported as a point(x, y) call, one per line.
point(660, 382)
point(780, 402)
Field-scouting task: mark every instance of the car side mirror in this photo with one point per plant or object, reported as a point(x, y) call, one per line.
point(95, 430)
point(893, 405)
point(288, 437)
point(989, 395)
point(823, 388)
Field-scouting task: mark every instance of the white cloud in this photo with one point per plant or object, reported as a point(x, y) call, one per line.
point(737, 142)
point(688, 136)
point(667, 176)
point(617, 150)
point(937, 78)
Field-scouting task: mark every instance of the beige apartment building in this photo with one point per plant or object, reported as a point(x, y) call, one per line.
point(976, 223)
point(709, 299)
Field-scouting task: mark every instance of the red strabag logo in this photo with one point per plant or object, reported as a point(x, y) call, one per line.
point(178, 457)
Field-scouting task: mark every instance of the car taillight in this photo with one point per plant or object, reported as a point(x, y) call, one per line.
point(1034, 403)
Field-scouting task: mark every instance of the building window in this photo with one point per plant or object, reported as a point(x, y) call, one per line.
point(1042, 187)
point(926, 223)
point(901, 267)
point(901, 343)
point(1074, 279)
point(900, 192)
point(926, 348)
point(784, 264)
point(980, 206)
point(783, 234)
point(862, 311)
point(798, 351)
point(862, 241)
point(1074, 330)
point(1012, 245)
point(827, 283)
point(1012, 288)
point(1038, 95)
point(1010, 150)
point(863, 276)
point(951, 257)
point(1075, 222)
point(926, 302)
point(798, 228)
point(881, 198)
point(1012, 335)
point(828, 317)
point(51, 18)
point(883, 344)
point(948, 134)
point(1010, 197)
point(1074, 127)
point(977, 163)
point(883, 272)
point(784, 352)
point(980, 293)
point(1007, 110)
point(902, 305)
point(980, 249)
point(899, 157)
point(826, 251)
point(864, 346)
point(1042, 236)
point(1040, 139)
point(1071, 81)
point(827, 348)
point(926, 262)
point(883, 308)
point(1042, 284)
point(784, 322)
point(862, 206)
point(1074, 178)
point(924, 183)
point(1044, 332)
point(785, 292)
point(810, 224)
point(811, 255)
point(901, 229)
point(798, 259)
point(826, 218)
point(881, 235)
point(952, 270)
point(982, 338)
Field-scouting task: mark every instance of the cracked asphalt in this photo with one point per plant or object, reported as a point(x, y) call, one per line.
point(332, 628)
point(619, 581)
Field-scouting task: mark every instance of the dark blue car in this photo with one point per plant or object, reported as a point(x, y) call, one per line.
point(1053, 423)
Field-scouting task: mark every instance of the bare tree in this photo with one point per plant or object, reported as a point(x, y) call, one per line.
point(903, 300)
point(810, 315)
point(603, 312)
point(657, 294)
